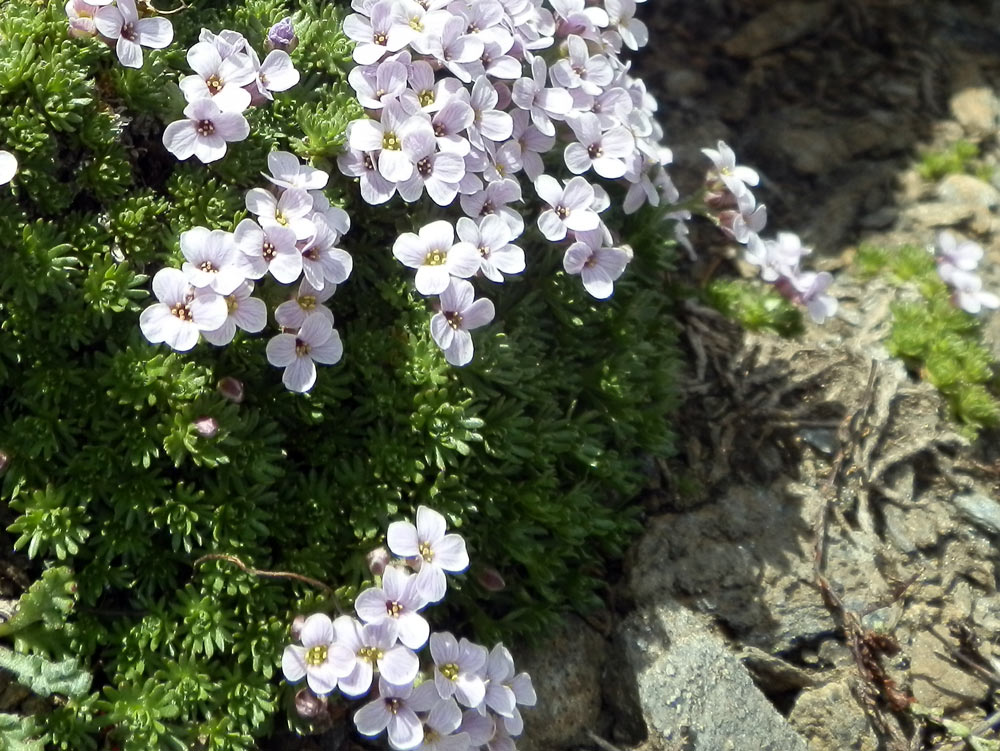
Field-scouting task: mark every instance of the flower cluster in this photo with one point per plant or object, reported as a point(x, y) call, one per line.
point(292, 238)
point(957, 263)
point(466, 697)
point(8, 167)
point(738, 214)
point(117, 23)
point(464, 97)
point(228, 78)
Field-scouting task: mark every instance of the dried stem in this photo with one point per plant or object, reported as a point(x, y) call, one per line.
point(266, 574)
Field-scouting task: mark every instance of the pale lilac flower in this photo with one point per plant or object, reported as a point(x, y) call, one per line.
point(375, 35)
point(316, 342)
point(497, 65)
point(437, 552)
point(322, 261)
point(494, 199)
point(811, 288)
point(492, 238)
point(288, 172)
point(598, 265)
point(968, 292)
point(533, 144)
point(268, 250)
point(425, 93)
point(182, 312)
point(394, 138)
point(963, 255)
point(245, 312)
point(218, 79)
point(569, 207)
point(452, 119)
point(604, 152)
point(377, 84)
point(317, 659)
point(455, 49)
point(486, 20)
point(736, 177)
point(749, 218)
point(227, 42)
point(621, 19)
point(439, 172)
point(375, 189)
point(478, 727)
point(578, 18)
point(543, 104)
point(291, 209)
point(612, 107)
point(391, 710)
point(504, 161)
point(524, 695)
point(373, 645)
point(499, 674)
point(307, 301)
point(460, 312)
point(335, 217)
point(590, 73)
point(397, 599)
point(122, 22)
point(442, 718)
point(436, 257)
point(418, 24)
point(205, 132)
point(775, 258)
point(501, 740)
point(211, 260)
point(488, 122)
point(8, 167)
point(276, 73)
point(281, 36)
point(458, 667)
point(81, 17)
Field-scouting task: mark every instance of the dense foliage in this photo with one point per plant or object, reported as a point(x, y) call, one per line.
point(534, 450)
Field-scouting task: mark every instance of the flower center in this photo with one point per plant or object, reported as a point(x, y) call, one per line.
point(391, 142)
point(438, 129)
point(307, 302)
point(449, 671)
point(280, 218)
point(436, 257)
point(209, 267)
point(426, 97)
point(371, 654)
point(416, 24)
point(591, 262)
point(128, 32)
point(214, 84)
point(369, 164)
point(302, 349)
point(500, 169)
point(473, 29)
point(316, 656)
point(232, 303)
point(594, 150)
point(312, 254)
point(487, 208)
point(484, 251)
point(380, 93)
point(393, 609)
point(424, 551)
point(205, 127)
point(181, 310)
point(424, 167)
point(380, 39)
point(562, 212)
point(393, 705)
point(268, 251)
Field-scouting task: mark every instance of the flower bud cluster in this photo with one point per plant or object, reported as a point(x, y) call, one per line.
point(729, 199)
point(463, 98)
point(466, 697)
point(292, 239)
point(228, 78)
point(957, 263)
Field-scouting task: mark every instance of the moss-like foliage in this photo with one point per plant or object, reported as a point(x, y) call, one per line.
point(534, 451)
point(755, 306)
point(938, 340)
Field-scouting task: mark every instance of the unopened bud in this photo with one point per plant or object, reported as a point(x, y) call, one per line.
point(81, 19)
point(281, 36)
point(491, 580)
point(377, 560)
point(206, 427)
point(296, 628)
point(231, 389)
point(308, 705)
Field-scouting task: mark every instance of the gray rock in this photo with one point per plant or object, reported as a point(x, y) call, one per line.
point(981, 510)
point(693, 689)
point(938, 214)
point(566, 672)
point(938, 681)
point(974, 104)
point(830, 719)
point(777, 27)
point(966, 189)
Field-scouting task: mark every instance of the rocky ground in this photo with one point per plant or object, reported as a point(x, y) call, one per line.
point(819, 567)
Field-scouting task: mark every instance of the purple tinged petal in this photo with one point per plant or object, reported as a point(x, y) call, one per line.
point(209, 311)
point(470, 690)
point(322, 679)
point(317, 631)
point(300, 376)
point(155, 33)
point(157, 323)
point(443, 334)
point(359, 681)
point(582, 221)
point(399, 665)
point(430, 578)
point(394, 166)
point(402, 540)
point(293, 663)
point(577, 158)
point(431, 525)
point(549, 190)
point(109, 21)
point(330, 351)
point(372, 718)
point(129, 52)
point(579, 194)
point(365, 135)
point(281, 350)
point(463, 262)
point(551, 225)
point(450, 553)
point(431, 280)
point(405, 730)
point(413, 630)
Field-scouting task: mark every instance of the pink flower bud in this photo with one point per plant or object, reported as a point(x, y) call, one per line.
point(377, 560)
point(491, 580)
point(231, 389)
point(281, 36)
point(206, 427)
point(296, 628)
point(308, 705)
